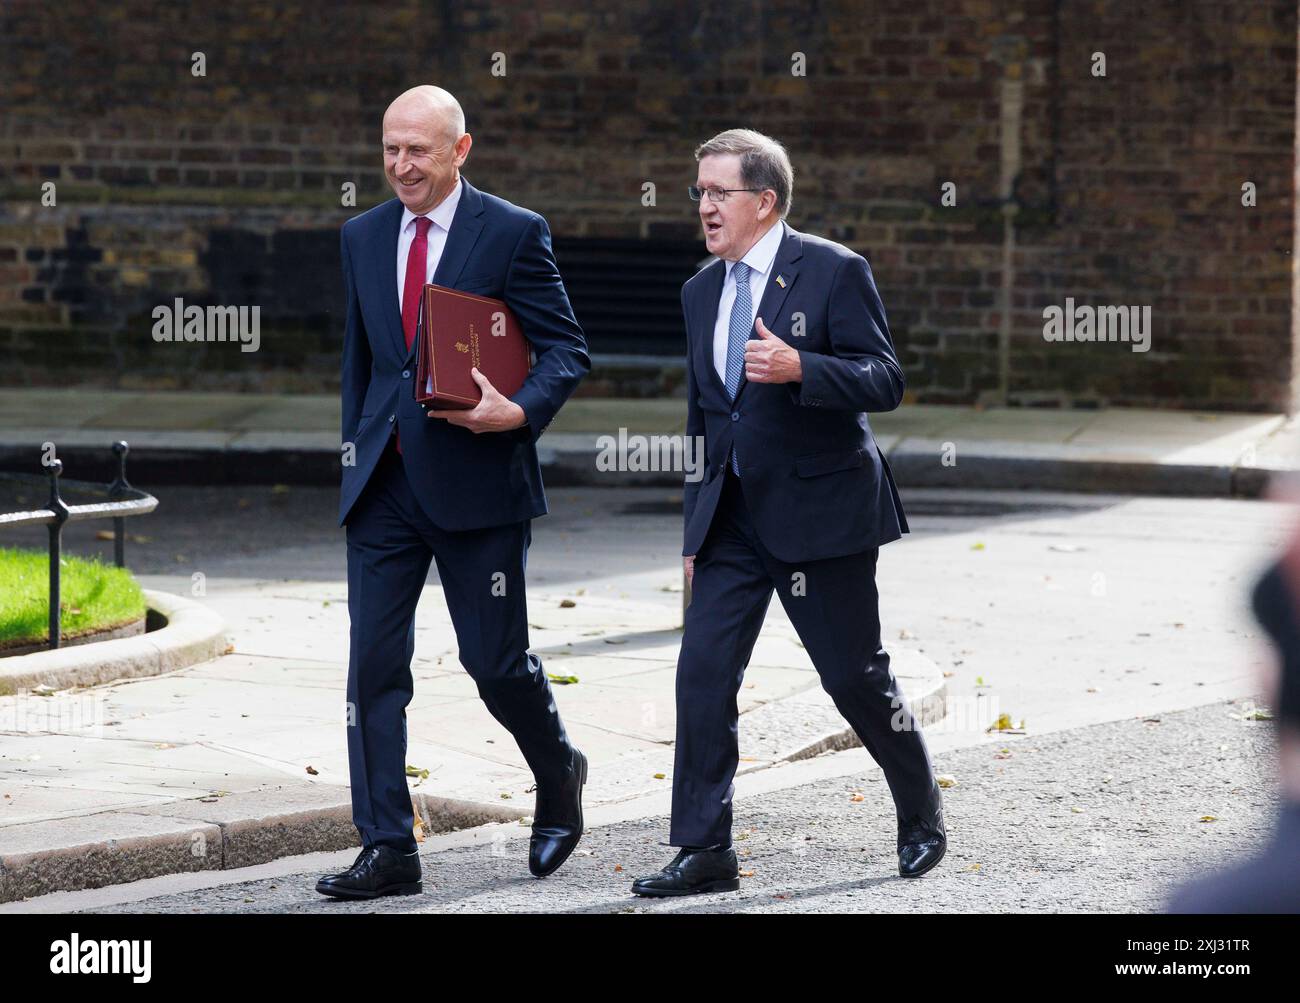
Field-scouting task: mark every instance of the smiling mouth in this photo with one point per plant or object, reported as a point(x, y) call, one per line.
point(409, 184)
point(712, 227)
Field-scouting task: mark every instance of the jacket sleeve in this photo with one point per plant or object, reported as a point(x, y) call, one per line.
point(356, 362)
point(535, 293)
point(861, 372)
point(695, 431)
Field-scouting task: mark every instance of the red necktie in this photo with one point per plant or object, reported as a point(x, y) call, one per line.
point(415, 272)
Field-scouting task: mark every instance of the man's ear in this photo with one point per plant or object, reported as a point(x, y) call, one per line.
point(461, 148)
point(766, 203)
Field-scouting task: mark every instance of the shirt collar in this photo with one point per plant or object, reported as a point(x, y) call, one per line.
point(761, 255)
point(442, 213)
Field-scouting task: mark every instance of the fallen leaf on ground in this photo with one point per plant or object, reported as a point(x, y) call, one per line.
point(1004, 723)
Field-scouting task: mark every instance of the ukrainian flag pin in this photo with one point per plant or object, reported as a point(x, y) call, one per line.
point(780, 281)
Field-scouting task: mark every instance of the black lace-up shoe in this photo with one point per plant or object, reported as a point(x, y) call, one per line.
point(557, 820)
point(921, 844)
point(378, 870)
point(693, 872)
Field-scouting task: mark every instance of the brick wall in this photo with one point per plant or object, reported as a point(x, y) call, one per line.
point(225, 188)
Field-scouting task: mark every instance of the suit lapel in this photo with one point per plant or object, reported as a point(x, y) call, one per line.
point(784, 267)
point(704, 311)
point(466, 225)
point(385, 260)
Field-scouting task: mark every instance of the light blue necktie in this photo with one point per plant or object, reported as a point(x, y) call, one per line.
point(742, 325)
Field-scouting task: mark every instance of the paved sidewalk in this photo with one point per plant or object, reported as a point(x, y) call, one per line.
point(248, 438)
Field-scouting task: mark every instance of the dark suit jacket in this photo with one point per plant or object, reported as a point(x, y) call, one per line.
point(815, 482)
point(464, 480)
point(1268, 882)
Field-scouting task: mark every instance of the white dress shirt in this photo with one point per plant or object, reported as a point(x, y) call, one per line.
point(759, 259)
point(441, 215)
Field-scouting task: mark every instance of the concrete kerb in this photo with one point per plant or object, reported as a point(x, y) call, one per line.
point(808, 724)
point(238, 830)
point(570, 460)
point(193, 634)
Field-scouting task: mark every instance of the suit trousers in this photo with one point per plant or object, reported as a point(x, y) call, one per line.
point(833, 605)
point(390, 543)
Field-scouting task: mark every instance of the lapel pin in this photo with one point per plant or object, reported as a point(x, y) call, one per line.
point(780, 281)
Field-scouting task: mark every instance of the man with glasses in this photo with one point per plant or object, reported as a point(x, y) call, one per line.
point(787, 352)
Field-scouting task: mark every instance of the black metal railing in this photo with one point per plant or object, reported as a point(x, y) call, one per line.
point(124, 501)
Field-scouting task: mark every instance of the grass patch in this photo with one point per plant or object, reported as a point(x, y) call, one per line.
point(94, 595)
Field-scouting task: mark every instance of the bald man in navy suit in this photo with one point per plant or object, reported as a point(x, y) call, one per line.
point(455, 487)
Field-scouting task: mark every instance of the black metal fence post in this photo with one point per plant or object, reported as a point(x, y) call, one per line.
point(60, 510)
point(116, 490)
point(124, 502)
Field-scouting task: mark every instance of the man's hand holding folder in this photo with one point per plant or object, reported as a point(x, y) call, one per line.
point(494, 413)
point(459, 333)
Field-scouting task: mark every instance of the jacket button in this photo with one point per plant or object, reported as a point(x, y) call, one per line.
point(735, 416)
point(392, 417)
point(406, 374)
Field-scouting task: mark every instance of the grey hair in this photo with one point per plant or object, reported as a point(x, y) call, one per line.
point(763, 162)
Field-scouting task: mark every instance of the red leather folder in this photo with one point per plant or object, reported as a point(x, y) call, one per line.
point(458, 331)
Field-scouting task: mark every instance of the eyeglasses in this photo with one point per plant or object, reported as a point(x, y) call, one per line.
point(715, 193)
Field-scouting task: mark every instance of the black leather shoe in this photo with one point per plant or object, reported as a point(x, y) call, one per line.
point(922, 843)
point(692, 872)
point(378, 870)
point(557, 820)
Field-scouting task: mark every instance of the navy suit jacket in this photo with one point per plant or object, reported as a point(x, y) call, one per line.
point(464, 480)
point(815, 482)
